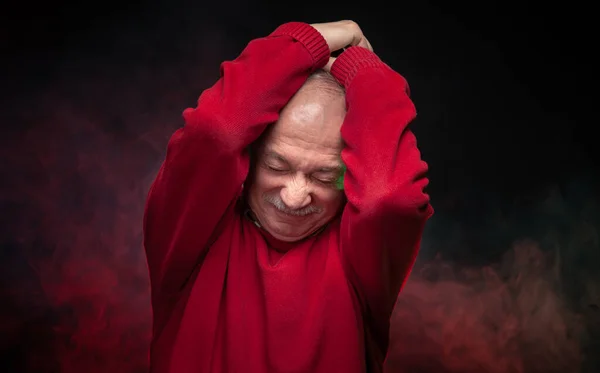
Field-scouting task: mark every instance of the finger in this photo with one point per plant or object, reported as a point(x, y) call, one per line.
point(329, 64)
point(364, 42)
point(357, 35)
point(369, 44)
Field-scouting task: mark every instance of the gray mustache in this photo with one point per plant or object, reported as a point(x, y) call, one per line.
point(279, 205)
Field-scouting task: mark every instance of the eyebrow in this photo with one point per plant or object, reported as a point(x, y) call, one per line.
point(273, 154)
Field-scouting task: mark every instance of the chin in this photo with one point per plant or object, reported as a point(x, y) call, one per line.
point(288, 236)
point(282, 232)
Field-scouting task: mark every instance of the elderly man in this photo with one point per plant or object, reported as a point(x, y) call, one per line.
point(288, 211)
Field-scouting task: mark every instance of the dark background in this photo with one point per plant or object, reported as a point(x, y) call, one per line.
point(507, 279)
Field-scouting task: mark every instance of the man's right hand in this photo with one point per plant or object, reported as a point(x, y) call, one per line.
point(342, 34)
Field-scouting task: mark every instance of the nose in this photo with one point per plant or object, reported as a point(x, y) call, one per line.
point(296, 194)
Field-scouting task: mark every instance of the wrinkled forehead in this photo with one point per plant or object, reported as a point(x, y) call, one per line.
point(309, 114)
point(304, 140)
point(312, 117)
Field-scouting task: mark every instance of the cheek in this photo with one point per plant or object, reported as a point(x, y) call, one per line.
point(329, 197)
point(263, 180)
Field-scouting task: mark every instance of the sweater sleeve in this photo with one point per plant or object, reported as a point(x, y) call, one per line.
point(206, 161)
point(383, 221)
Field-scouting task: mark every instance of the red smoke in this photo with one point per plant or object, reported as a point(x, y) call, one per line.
point(80, 169)
point(509, 318)
point(77, 294)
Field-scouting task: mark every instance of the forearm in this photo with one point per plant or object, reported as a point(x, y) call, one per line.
point(380, 153)
point(385, 179)
point(206, 162)
point(255, 86)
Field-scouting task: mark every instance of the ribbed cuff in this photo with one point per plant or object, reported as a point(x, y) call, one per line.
point(350, 61)
point(309, 36)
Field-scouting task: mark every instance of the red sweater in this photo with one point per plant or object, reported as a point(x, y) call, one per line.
point(222, 300)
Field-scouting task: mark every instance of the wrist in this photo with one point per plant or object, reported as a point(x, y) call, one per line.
point(308, 36)
point(351, 61)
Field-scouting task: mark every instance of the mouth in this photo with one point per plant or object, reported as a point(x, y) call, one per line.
point(292, 216)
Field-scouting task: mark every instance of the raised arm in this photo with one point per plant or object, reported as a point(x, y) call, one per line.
point(206, 161)
point(387, 208)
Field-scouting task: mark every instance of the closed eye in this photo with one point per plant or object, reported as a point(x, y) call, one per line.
point(325, 179)
point(276, 169)
point(326, 182)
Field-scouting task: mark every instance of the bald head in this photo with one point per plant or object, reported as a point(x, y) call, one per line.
point(324, 82)
point(315, 113)
point(294, 190)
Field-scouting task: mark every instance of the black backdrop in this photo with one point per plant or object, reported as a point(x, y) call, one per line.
point(507, 277)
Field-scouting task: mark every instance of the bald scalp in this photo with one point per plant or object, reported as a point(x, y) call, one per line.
point(311, 120)
point(323, 82)
point(319, 102)
point(320, 95)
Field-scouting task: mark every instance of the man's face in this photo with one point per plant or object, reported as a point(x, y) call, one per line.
point(293, 191)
